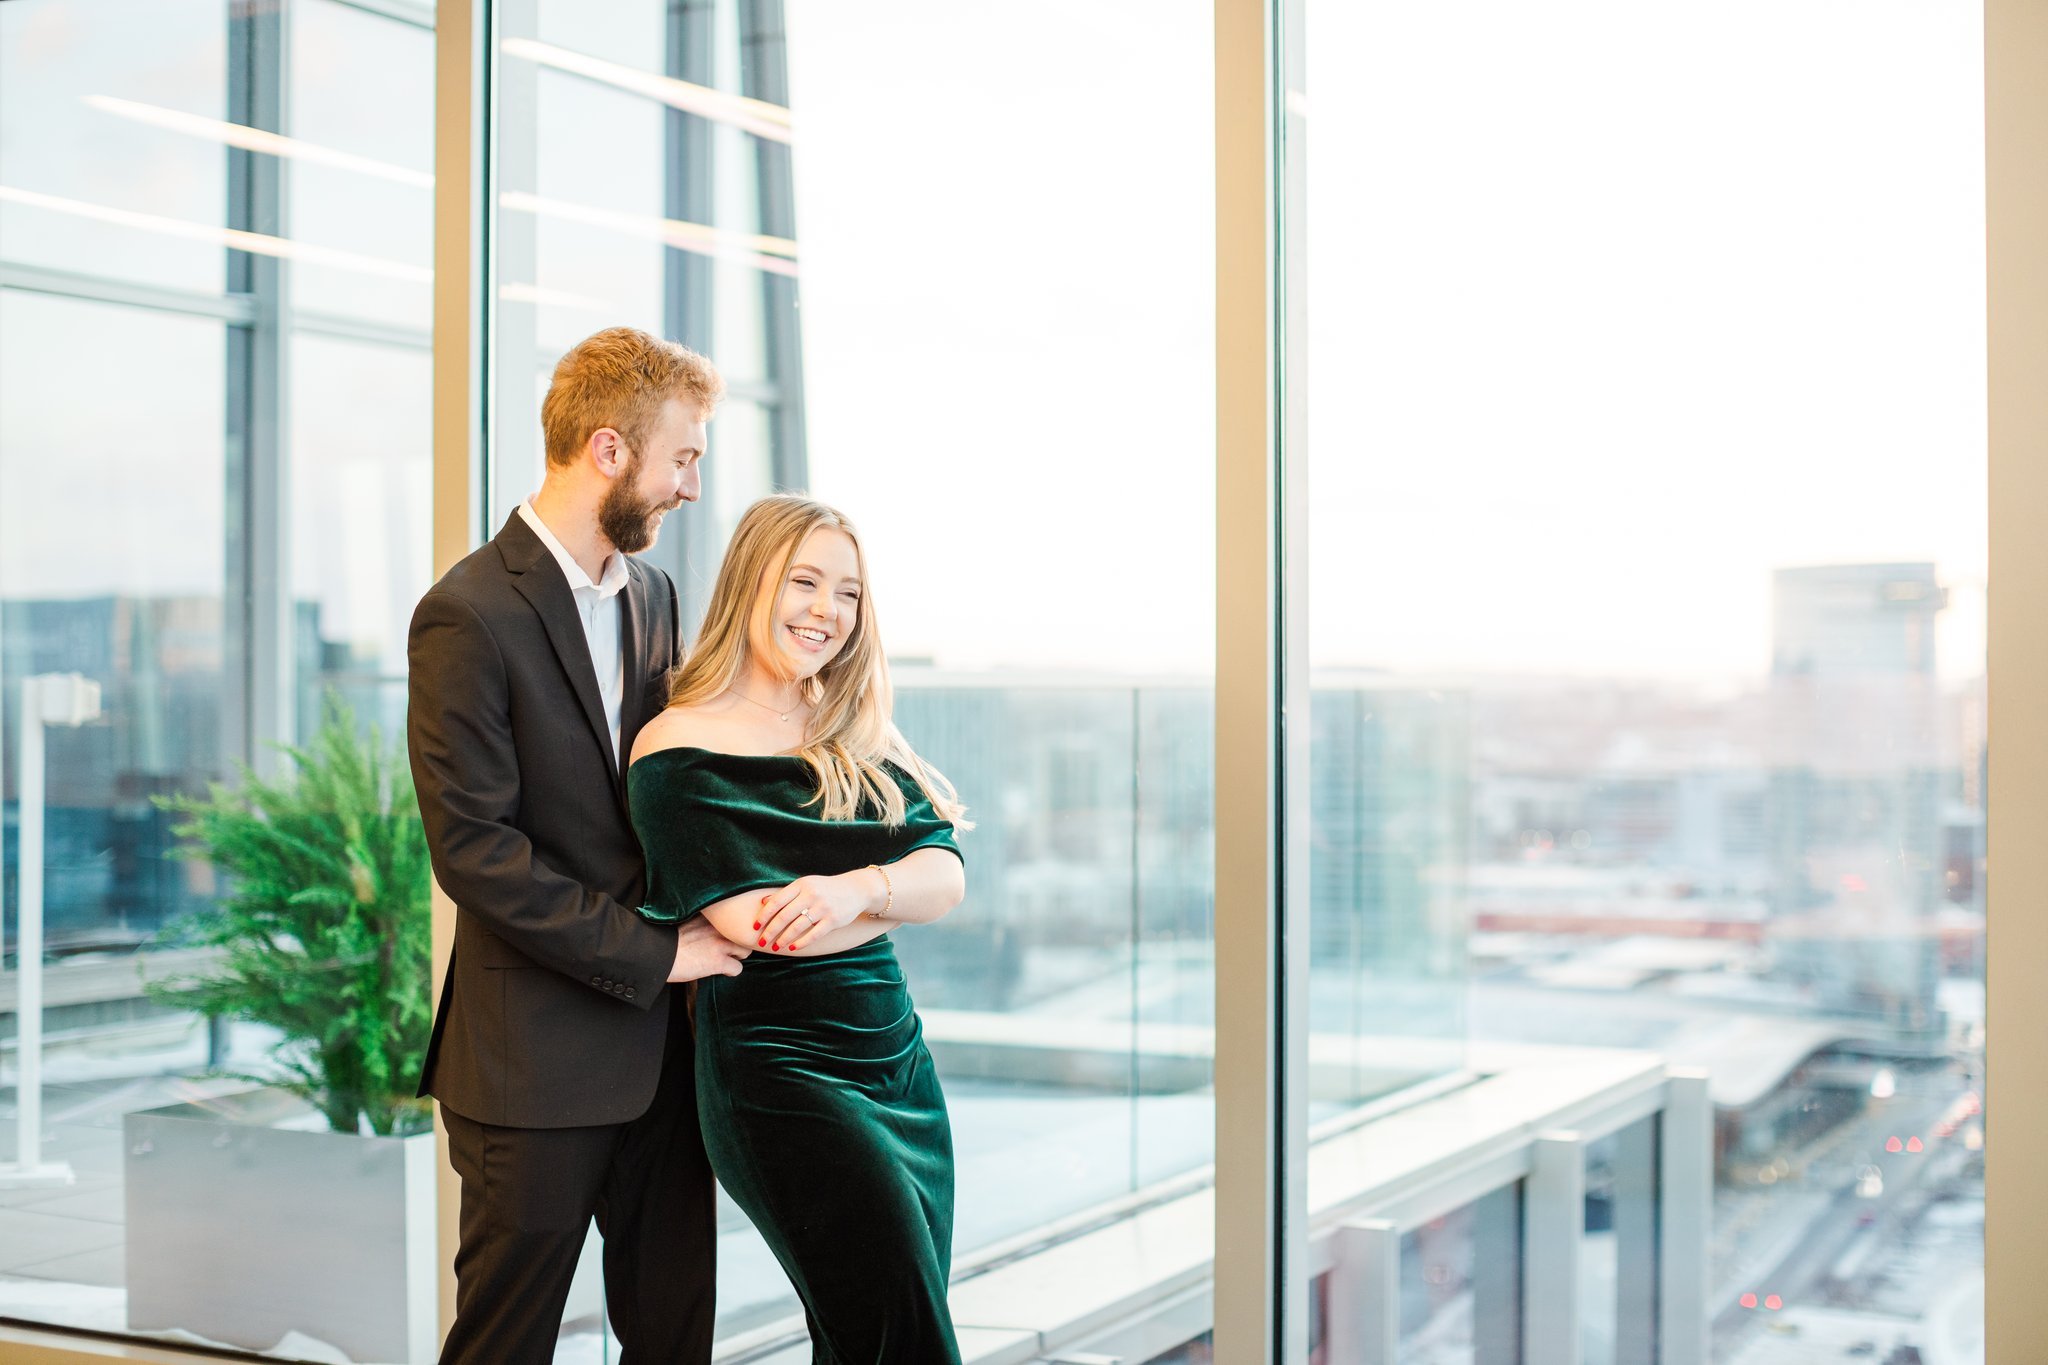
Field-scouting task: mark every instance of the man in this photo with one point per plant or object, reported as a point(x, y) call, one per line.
point(561, 1059)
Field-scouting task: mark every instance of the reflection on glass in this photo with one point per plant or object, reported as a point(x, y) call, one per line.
point(84, 185)
point(375, 197)
point(361, 536)
point(602, 273)
point(629, 33)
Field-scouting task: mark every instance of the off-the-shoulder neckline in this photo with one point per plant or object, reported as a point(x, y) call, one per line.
point(700, 749)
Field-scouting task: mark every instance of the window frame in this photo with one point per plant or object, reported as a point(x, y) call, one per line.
point(1262, 1262)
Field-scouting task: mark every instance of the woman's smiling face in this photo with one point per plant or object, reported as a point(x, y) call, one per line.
point(817, 606)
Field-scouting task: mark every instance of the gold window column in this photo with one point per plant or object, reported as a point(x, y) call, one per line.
point(2016, 232)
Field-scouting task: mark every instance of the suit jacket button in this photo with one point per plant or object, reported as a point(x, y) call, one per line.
point(629, 992)
point(597, 981)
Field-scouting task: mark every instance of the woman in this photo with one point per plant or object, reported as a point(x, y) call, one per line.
point(776, 797)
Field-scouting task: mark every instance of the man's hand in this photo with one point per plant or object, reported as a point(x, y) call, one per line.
point(702, 951)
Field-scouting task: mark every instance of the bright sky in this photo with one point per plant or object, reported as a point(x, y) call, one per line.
point(1614, 309)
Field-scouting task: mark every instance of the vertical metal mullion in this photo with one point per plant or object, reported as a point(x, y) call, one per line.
point(764, 75)
point(687, 186)
point(1261, 1288)
point(464, 71)
point(257, 614)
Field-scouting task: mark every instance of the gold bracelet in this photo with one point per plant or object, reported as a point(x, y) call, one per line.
point(889, 887)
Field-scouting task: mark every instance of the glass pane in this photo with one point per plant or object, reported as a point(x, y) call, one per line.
point(624, 32)
point(118, 578)
point(1619, 460)
point(110, 158)
point(590, 270)
point(1174, 969)
point(1391, 753)
point(362, 538)
point(363, 183)
point(742, 472)
point(1390, 787)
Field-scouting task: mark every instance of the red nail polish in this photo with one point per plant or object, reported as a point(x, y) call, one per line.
point(762, 941)
point(757, 926)
point(775, 947)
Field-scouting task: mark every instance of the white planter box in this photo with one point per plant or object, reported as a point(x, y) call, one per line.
point(245, 1223)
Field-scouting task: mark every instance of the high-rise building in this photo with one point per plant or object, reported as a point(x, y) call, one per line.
point(1854, 810)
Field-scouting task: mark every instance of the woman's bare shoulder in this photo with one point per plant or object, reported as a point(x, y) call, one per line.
point(675, 727)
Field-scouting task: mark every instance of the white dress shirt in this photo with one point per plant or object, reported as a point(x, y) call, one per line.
point(598, 605)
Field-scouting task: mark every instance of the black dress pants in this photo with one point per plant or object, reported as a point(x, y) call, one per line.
point(528, 1195)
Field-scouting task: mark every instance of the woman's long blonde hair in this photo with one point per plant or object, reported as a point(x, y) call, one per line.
point(851, 733)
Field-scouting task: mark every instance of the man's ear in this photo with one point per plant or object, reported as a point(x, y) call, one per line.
point(607, 451)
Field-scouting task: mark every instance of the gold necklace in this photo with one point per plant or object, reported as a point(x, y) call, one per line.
point(782, 716)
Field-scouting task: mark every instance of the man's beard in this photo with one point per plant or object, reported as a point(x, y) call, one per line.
point(629, 521)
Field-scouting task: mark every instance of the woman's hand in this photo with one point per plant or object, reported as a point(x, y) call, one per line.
point(790, 918)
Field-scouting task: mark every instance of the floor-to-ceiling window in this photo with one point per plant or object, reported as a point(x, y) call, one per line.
point(1646, 427)
point(215, 261)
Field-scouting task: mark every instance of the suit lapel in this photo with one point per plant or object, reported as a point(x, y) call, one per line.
point(632, 639)
point(539, 580)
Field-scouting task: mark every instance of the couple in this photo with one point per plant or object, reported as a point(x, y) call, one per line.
point(627, 832)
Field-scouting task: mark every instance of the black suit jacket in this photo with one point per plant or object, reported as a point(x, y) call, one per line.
point(555, 1009)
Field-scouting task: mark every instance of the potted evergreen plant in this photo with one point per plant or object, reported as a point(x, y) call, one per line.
point(304, 1206)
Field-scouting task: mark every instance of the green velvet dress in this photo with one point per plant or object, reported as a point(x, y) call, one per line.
point(820, 1107)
